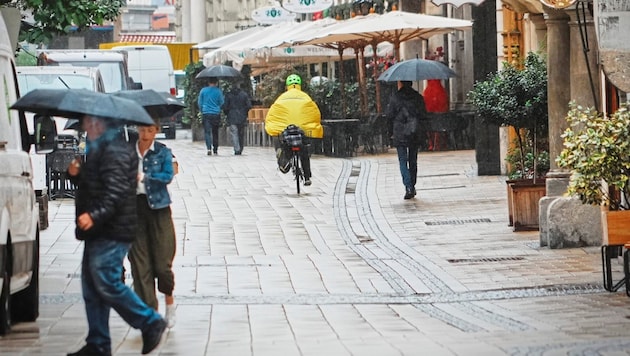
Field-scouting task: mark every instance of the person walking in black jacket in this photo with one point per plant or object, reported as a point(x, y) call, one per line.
point(236, 107)
point(405, 111)
point(106, 220)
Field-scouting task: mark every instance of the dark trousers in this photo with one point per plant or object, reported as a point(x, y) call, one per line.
point(305, 154)
point(152, 252)
point(211, 124)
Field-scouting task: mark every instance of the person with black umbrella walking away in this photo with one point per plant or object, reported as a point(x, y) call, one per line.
point(210, 101)
point(236, 107)
point(405, 110)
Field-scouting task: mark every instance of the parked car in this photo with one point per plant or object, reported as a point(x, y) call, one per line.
point(19, 223)
point(112, 64)
point(53, 77)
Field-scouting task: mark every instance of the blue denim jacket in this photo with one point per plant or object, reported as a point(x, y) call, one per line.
point(158, 172)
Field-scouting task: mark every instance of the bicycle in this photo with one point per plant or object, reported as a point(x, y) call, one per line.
point(291, 139)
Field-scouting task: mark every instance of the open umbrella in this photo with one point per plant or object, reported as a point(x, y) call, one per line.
point(158, 105)
point(75, 103)
point(219, 71)
point(417, 69)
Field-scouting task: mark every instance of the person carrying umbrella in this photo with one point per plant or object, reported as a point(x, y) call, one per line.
point(106, 220)
point(236, 106)
point(210, 101)
point(406, 108)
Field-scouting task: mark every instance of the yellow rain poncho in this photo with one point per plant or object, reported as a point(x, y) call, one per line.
point(294, 107)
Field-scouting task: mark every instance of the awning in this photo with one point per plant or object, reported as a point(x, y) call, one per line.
point(147, 38)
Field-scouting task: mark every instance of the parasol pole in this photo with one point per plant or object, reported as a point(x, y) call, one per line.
point(342, 85)
point(375, 74)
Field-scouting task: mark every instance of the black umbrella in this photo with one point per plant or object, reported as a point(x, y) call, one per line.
point(219, 71)
point(75, 103)
point(158, 105)
point(417, 69)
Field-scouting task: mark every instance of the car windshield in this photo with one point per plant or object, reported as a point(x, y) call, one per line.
point(111, 72)
point(30, 81)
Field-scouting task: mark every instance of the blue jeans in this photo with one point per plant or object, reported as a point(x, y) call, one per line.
point(211, 124)
point(408, 160)
point(103, 289)
point(238, 136)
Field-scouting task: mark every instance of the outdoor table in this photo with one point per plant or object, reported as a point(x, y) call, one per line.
point(340, 137)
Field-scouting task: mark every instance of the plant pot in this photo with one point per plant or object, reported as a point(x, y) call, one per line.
point(523, 197)
point(615, 227)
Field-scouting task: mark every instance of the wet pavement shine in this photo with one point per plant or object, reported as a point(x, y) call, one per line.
point(346, 268)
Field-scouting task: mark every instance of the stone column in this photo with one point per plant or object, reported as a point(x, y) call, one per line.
point(198, 20)
point(559, 95)
point(566, 222)
point(185, 18)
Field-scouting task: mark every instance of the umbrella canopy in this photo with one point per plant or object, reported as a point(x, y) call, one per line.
point(417, 69)
point(456, 3)
point(158, 105)
point(394, 27)
point(219, 71)
point(75, 103)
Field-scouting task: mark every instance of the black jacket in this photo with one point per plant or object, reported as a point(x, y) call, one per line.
point(107, 188)
point(408, 98)
point(236, 106)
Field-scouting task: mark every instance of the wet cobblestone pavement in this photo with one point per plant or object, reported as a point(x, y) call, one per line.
point(346, 268)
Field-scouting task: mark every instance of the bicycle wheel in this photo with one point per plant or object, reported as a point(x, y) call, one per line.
point(297, 170)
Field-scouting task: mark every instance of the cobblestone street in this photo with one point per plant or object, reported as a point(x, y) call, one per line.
point(346, 268)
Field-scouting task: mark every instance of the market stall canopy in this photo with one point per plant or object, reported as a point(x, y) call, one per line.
point(221, 41)
point(266, 48)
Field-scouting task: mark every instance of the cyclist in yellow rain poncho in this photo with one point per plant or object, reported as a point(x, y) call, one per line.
point(295, 107)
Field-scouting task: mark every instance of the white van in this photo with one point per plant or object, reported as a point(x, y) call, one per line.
point(53, 77)
point(112, 64)
point(151, 66)
point(19, 230)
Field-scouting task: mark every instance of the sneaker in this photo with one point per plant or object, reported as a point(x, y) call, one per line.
point(152, 335)
point(170, 315)
point(209, 153)
point(307, 182)
point(90, 350)
point(215, 151)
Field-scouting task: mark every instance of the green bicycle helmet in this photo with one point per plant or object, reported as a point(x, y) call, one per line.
point(294, 79)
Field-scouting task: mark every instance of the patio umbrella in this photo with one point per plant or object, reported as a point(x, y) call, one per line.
point(158, 105)
point(219, 71)
point(394, 27)
point(457, 3)
point(417, 69)
point(75, 103)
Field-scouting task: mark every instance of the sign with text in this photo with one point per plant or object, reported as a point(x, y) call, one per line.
point(270, 15)
point(306, 6)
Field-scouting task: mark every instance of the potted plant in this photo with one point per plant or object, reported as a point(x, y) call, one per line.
point(517, 97)
point(597, 150)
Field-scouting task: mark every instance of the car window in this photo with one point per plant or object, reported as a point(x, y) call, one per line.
point(112, 73)
point(30, 81)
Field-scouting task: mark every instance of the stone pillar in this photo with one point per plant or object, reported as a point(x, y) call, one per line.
point(487, 150)
point(185, 18)
point(566, 64)
point(198, 20)
point(559, 95)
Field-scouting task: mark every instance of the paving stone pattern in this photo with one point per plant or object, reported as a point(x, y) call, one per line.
point(346, 268)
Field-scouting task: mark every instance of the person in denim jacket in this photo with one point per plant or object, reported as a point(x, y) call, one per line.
point(152, 253)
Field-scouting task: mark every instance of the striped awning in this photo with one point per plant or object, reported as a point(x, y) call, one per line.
point(145, 38)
